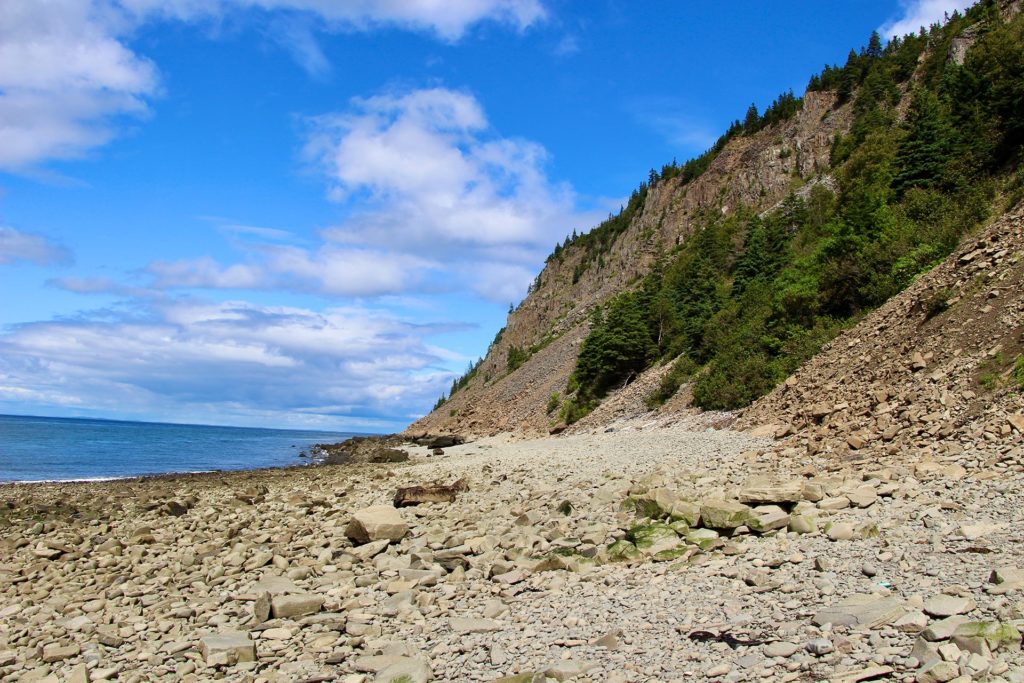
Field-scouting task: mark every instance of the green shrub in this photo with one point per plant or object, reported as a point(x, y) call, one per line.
point(553, 402)
point(937, 303)
point(574, 410)
point(1018, 372)
point(516, 358)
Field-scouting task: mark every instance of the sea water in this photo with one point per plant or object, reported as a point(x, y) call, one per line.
point(64, 449)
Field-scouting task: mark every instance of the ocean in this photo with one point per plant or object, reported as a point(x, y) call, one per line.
point(70, 449)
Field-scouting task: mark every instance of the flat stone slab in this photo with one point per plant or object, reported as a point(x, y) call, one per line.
point(470, 625)
point(275, 585)
point(788, 492)
point(861, 610)
point(943, 606)
point(406, 670)
point(724, 514)
point(287, 606)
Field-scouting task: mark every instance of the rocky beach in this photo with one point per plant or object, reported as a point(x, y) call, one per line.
point(650, 550)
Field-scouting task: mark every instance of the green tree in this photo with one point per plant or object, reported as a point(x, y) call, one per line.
point(752, 120)
point(618, 347)
point(925, 149)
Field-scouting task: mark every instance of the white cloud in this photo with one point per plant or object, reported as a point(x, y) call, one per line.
point(431, 178)
point(64, 78)
point(18, 246)
point(435, 200)
point(330, 270)
point(448, 19)
point(918, 13)
point(68, 76)
point(233, 358)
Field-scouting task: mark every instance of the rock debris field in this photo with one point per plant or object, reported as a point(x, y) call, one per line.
point(646, 553)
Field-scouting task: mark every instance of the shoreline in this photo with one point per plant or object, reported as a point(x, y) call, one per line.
point(515, 576)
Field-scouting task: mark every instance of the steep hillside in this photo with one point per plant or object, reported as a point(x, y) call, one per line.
point(935, 370)
point(758, 171)
point(721, 277)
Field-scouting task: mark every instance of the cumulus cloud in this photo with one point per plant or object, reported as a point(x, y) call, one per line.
point(17, 246)
point(448, 19)
point(917, 13)
point(68, 77)
point(64, 77)
point(330, 270)
point(431, 178)
point(233, 358)
point(434, 200)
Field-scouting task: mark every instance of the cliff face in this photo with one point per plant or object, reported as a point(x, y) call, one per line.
point(756, 171)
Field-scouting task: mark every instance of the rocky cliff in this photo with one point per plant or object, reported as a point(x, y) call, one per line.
point(890, 381)
point(756, 171)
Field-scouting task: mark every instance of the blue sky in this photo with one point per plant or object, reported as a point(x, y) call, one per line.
point(313, 213)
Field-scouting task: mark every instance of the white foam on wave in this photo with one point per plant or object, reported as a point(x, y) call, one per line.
point(97, 479)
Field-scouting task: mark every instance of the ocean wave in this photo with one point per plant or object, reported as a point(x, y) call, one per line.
point(81, 480)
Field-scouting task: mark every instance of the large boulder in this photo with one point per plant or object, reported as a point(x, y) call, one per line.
point(979, 636)
point(445, 441)
point(377, 523)
point(662, 502)
point(361, 449)
point(861, 610)
point(228, 648)
point(651, 539)
point(773, 494)
point(725, 514)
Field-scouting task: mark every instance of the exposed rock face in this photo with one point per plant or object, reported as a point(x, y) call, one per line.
point(756, 171)
point(907, 380)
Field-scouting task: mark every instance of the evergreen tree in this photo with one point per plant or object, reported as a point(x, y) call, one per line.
point(925, 149)
point(751, 120)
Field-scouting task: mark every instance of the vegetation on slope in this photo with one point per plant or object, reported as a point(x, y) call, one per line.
point(744, 301)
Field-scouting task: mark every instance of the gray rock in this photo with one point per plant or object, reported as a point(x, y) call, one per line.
point(820, 646)
point(469, 625)
point(227, 648)
point(377, 523)
point(942, 606)
point(725, 514)
point(780, 649)
point(861, 610)
point(288, 606)
point(943, 630)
